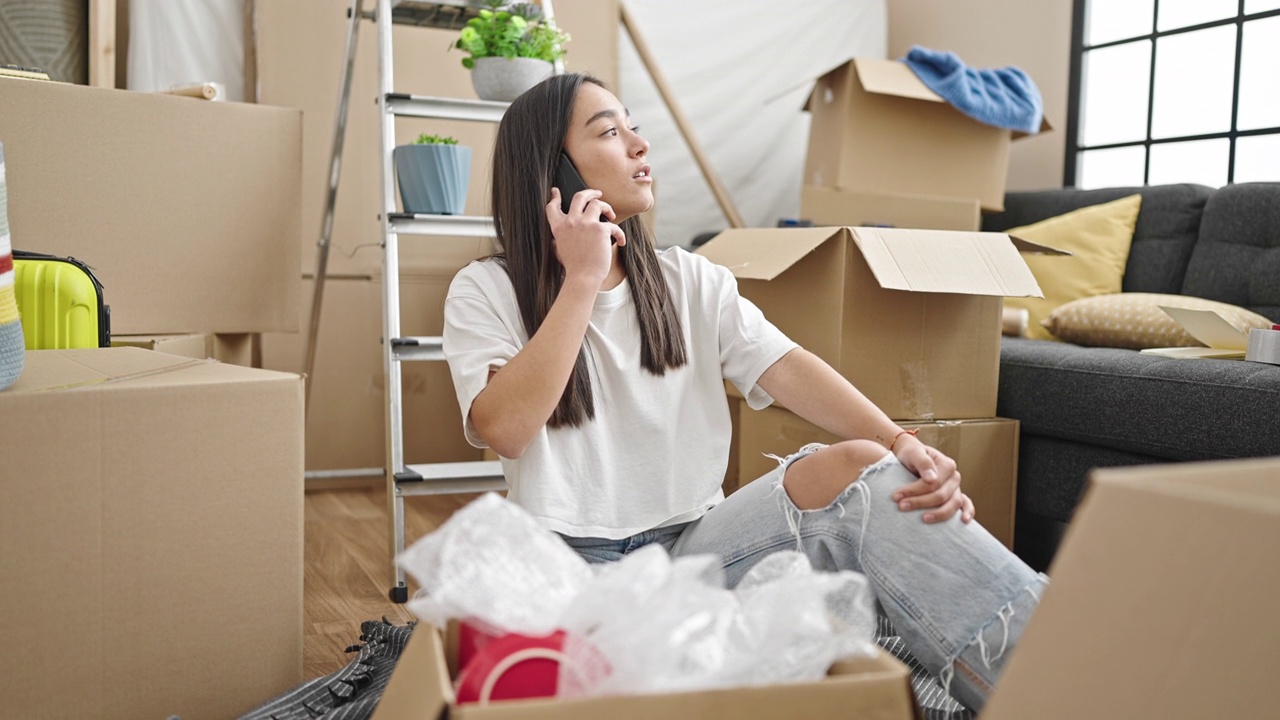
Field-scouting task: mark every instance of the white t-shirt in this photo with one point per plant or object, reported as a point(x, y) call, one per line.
point(656, 451)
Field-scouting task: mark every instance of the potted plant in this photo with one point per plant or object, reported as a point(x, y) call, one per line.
point(512, 48)
point(433, 173)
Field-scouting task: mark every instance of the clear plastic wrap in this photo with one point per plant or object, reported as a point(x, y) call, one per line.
point(647, 623)
point(493, 564)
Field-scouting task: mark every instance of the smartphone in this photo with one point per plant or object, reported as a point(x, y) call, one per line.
point(570, 184)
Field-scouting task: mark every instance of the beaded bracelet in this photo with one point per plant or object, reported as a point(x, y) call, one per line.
point(912, 433)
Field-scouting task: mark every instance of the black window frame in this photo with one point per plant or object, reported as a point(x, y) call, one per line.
point(1079, 18)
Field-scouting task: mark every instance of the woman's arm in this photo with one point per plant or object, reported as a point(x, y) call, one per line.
point(806, 385)
point(521, 395)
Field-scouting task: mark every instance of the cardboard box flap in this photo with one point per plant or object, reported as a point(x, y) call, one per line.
point(764, 253)
point(1034, 248)
point(65, 369)
point(1209, 328)
point(419, 686)
point(892, 77)
point(943, 261)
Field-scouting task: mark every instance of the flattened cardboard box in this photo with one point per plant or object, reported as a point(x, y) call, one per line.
point(911, 317)
point(188, 211)
point(1162, 603)
point(152, 536)
point(877, 128)
point(876, 688)
point(985, 450)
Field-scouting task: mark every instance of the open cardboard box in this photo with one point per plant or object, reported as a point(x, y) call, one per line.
point(878, 128)
point(876, 688)
point(1222, 340)
point(910, 317)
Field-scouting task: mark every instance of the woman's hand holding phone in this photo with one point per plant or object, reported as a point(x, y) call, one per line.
point(579, 235)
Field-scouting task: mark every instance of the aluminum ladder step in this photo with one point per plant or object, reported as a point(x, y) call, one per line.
point(445, 108)
point(451, 225)
point(450, 478)
point(418, 348)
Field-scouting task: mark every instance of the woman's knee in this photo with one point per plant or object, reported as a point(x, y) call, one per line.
point(816, 480)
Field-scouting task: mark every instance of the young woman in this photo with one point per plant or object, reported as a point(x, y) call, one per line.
point(594, 365)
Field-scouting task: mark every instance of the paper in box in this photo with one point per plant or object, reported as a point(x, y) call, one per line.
point(878, 128)
point(911, 317)
point(152, 536)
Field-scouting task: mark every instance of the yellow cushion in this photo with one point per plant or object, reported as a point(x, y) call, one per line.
point(1135, 320)
point(1098, 237)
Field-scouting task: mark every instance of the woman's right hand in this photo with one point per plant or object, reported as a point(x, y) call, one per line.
point(581, 239)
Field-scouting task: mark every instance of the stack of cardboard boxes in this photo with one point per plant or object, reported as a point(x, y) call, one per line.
point(896, 289)
point(152, 517)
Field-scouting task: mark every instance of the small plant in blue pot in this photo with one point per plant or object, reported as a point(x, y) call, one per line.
point(433, 173)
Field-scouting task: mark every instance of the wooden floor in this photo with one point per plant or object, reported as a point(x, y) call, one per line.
point(348, 567)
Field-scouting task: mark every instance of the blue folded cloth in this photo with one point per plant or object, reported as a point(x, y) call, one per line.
point(1004, 97)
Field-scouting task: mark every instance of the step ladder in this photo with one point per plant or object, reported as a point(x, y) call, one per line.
point(405, 480)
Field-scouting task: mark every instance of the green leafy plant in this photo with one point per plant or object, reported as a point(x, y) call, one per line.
point(511, 30)
point(425, 139)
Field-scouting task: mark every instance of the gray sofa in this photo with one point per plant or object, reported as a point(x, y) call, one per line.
point(1083, 407)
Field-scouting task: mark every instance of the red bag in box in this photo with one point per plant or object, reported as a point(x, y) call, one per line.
point(507, 667)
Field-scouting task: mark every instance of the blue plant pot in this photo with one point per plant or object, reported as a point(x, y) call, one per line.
point(433, 178)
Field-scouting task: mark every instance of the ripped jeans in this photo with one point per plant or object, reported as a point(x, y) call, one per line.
point(959, 598)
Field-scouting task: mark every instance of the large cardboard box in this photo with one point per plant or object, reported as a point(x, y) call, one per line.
point(877, 128)
point(236, 349)
point(300, 45)
point(876, 688)
point(910, 317)
point(188, 211)
point(832, 206)
point(152, 536)
point(985, 451)
point(1162, 602)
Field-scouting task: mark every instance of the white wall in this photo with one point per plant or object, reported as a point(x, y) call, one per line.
point(1034, 35)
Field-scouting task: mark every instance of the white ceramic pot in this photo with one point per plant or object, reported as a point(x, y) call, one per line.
point(504, 79)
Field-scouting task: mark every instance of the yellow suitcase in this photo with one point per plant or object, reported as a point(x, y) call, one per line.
point(60, 302)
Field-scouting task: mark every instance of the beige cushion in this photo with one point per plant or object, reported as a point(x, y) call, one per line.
point(1098, 237)
point(1135, 320)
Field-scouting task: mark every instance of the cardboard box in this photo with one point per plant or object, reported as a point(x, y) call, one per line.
point(239, 349)
point(985, 451)
point(910, 317)
point(1162, 602)
point(346, 420)
point(188, 211)
point(832, 206)
point(877, 687)
point(877, 128)
point(300, 46)
point(152, 535)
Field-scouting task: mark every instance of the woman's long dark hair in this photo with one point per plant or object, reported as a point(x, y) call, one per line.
point(530, 138)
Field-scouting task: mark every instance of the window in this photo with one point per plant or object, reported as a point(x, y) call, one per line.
point(1167, 91)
